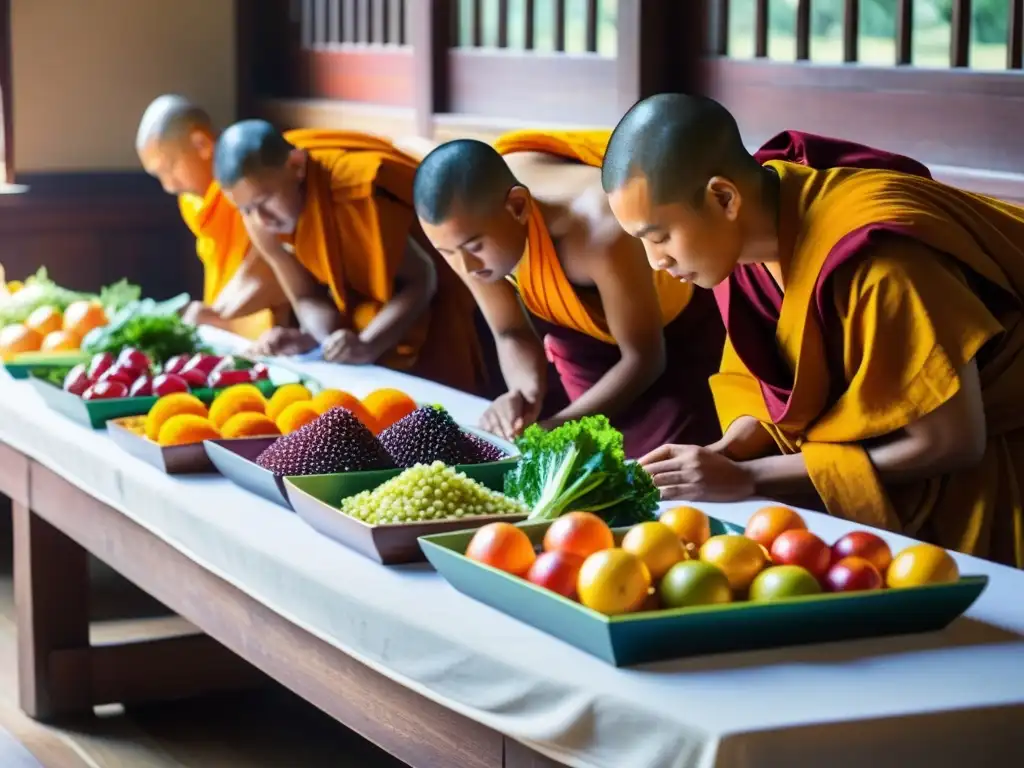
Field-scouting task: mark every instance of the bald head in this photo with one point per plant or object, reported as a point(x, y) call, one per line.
point(170, 118)
point(248, 148)
point(462, 174)
point(676, 143)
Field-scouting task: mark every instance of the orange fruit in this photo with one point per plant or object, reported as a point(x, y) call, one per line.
point(186, 429)
point(327, 399)
point(740, 558)
point(502, 546)
point(388, 406)
point(922, 564)
point(767, 523)
point(168, 406)
point(248, 424)
point(45, 320)
point(241, 398)
point(296, 416)
point(60, 341)
point(578, 533)
point(657, 545)
point(15, 339)
point(613, 581)
point(690, 525)
point(285, 396)
point(82, 316)
point(364, 314)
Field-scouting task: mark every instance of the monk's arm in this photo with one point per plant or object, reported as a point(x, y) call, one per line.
point(415, 287)
point(950, 438)
point(253, 288)
point(745, 439)
point(623, 279)
point(316, 312)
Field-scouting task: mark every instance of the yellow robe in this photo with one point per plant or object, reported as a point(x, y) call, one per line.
point(352, 236)
point(892, 283)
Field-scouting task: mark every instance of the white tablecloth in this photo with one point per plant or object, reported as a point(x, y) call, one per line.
point(829, 705)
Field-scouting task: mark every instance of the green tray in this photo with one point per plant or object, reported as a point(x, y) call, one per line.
point(24, 364)
point(96, 413)
point(652, 636)
point(316, 498)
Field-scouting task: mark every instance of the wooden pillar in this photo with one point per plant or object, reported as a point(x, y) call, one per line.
point(660, 46)
point(6, 98)
point(432, 37)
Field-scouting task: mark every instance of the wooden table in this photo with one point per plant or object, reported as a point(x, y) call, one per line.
point(56, 525)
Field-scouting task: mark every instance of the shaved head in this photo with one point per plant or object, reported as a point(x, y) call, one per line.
point(677, 143)
point(170, 118)
point(246, 149)
point(464, 174)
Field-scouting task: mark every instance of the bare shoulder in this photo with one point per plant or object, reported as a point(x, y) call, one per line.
point(595, 237)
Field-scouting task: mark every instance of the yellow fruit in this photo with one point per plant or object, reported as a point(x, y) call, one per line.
point(186, 429)
point(285, 396)
point(740, 558)
point(921, 564)
point(327, 399)
point(172, 405)
point(15, 339)
point(657, 545)
point(296, 416)
point(690, 525)
point(241, 398)
point(45, 320)
point(613, 581)
point(248, 424)
point(60, 341)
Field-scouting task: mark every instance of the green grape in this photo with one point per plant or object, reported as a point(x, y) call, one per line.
point(428, 492)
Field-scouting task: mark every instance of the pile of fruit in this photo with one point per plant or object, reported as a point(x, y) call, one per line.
point(339, 439)
point(426, 493)
point(48, 329)
point(675, 562)
point(133, 374)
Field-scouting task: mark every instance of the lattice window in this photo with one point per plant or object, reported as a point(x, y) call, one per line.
point(569, 26)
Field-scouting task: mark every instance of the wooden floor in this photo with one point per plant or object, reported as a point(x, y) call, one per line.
point(271, 729)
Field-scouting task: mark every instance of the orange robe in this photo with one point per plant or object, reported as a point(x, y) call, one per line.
point(678, 406)
point(892, 283)
point(352, 236)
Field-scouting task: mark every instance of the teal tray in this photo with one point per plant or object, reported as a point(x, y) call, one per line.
point(652, 636)
point(24, 364)
point(96, 413)
point(316, 500)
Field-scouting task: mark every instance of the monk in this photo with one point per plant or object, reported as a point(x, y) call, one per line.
point(175, 144)
point(875, 351)
point(334, 222)
point(527, 226)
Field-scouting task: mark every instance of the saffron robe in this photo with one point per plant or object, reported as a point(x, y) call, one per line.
point(893, 282)
point(678, 406)
point(352, 236)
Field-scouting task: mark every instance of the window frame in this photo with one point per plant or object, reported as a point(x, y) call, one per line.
point(6, 97)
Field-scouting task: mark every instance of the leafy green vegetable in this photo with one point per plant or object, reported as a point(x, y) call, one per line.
point(150, 326)
point(116, 297)
point(580, 465)
point(39, 291)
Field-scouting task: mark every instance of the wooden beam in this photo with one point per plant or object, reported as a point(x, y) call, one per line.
point(432, 38)
point(6, 98)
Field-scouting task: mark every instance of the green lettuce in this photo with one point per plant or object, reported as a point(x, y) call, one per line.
point(580, 465)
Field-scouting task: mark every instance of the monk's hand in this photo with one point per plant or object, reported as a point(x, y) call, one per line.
point(282, 342)
point(345, 346)
point(198, 313)
point(510, 414)
point(692, 473)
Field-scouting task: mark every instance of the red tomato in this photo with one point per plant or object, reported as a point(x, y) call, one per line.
point(863, 544)
point(106, 390)
point(168, 383)
point(853, 574)
point(556, 571)
point(143, 387)
point(77, 380)
point(99, 365)
point(220, 379)
point(803, 548)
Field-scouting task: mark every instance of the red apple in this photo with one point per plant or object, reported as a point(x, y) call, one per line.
point(77, 380)
point(852, 574)
point(143, 387)
point(556, 571)
point(259, 372)
point(803, 548)
point(133, 360)
point(194, 377)
point(117, 373)
point(106, 390)
point(99, 365)
point(220, 379)
point(176, 363)
point(169, 383)
point(863, 544)
point(201, 362)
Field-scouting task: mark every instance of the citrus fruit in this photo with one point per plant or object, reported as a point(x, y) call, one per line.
point(60, 341)
point(296, 416)
point(694, 582)
point(336, 398)
point(767, 523)
point(45, 320)
point(388, 406)
point(656, 544)
point(82, 316)
point(285, 395)
point(782, 581)
point(248, 424)
point(613, 581)
point(556, 571)
point(15, 339)
point(578, 533)
point(172, 405)
point(921, 564)
point(690, 525)
point(502, 546)
point(186, 429)
point(740, 558)
point(241, 398)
